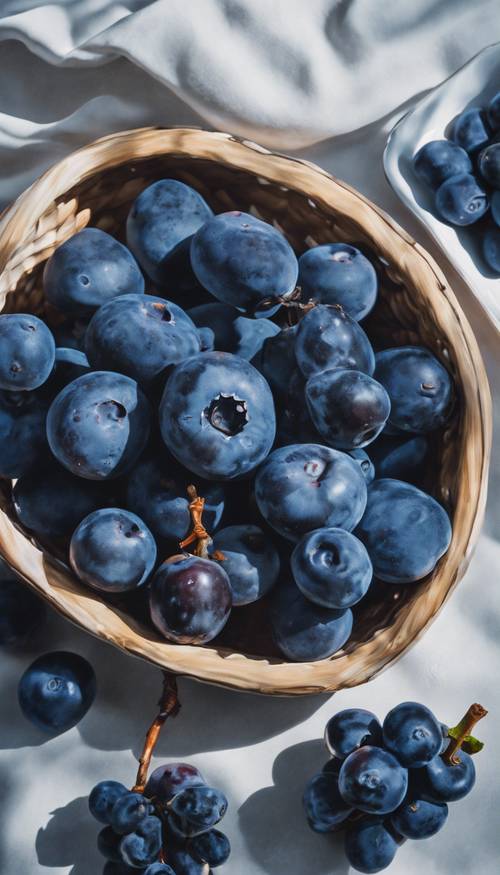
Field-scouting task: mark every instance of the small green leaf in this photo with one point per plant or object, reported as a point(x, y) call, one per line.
point(470, 744)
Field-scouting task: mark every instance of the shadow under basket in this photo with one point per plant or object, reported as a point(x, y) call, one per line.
point(96, 185)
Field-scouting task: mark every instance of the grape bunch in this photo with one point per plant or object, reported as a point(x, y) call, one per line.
point(386, 783)
point(168, 828)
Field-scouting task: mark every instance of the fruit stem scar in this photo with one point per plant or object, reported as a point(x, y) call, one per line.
point(474, 714)
point(169, 706)
point(199, 535)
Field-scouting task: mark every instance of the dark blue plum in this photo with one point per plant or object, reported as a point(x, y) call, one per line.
point(107, 844)
point(190, 599)
point(198, 809)
point(348, 408)
point(351, 729)
point(21, 613)
point(166, 781)
point(338, 273)
point(244, 262)
point(276, 360)
point(398, 456)
point(328, 338)
point(324, 807)
point(89, 269)
point(141, 847)
point(404, 530)
point(56, 691)
point(141, 336)
point(212, 847)
point(51, 502)
point(157, 492)
point(331, 568)
point(369, 846)
point(470, 129)
point(493, 112)
point(419, 387)
point(365, 463)
point(69, 364)
point(112, 550)
point(373, 780)
point(419, 819)
point(128, 811)
point(159, 869)
point(98, 426)
point(305, 632)
point(27, 352)
point(184, 863)
point(23, 437)
point(217, 415)
point(412, 734)
point(437, 160)
point(448, 783)
point(103, 797)
point(251, 561)
point(308, 486)
point(495, 207)
point(489, 165)
point(491, 248)
point(232, 331)
point(460, 200)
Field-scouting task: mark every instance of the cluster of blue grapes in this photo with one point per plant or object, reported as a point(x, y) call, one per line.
point(166, 830)
point(386, 783)
point(464, 173)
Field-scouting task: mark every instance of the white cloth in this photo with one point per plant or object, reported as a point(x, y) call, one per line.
point(285, 73)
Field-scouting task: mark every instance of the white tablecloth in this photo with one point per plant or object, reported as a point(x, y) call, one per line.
point(259, 750)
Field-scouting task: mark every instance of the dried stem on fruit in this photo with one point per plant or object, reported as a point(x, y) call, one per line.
point(475, 713)
point(169, 707)
point(199, 535)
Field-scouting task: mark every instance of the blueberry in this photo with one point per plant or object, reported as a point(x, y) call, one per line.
point(419, 819)
point(493, 112)
point(190, 599)
point(141, 336)
point(56, 691)
point(373, 780)
point(244, 262)
point(23, 438)
point(21, 613)
point(324, 807)
point(398, 456)
point(198, 809)
point(212, 847)
point(107, 844)
point(328, 338)
point(495, 207)
point(98, 425)
point(338, 273)
point(27, 352)
point(276, 359)
point(365, 463)
point(331, 568)
point(250, 561)
point(103, 797)
point(232, 331)
point(217, 415)
point(489, 164)
point(141, 847)
point(448, 783)
point(369, 846)
point(412, 734)
point(460, 200)
point(308, 486)
point(350, 729)
point(470, 129)
point(128, 811)
point(419, 388)
point(348, 408)
point(184, 863)
point(161, 217)
point(166, 781)
point(404, 530)
point(69, 364)
point(305, 632)
point(437, 160)
point(89, 269)
point(491, 248)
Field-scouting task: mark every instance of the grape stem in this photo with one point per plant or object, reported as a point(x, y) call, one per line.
point(474, 714)
point(169, 706)
point(199, 535)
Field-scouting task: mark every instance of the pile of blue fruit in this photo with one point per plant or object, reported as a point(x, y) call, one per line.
point(464, 174)
point(206, 359)
point(168, 829)
point(386, 783)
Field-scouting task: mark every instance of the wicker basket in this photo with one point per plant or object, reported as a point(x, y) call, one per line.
point(97, 184)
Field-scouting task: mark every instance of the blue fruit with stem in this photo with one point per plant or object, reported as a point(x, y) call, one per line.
point(27, 352)
point(323, 805)
point(251, 561)
point(348, 408)
point(23, 438)
point(372, 780)
point(56, 691)
point(437, 160)
point(419, 819)
point(419, 387)
point(338, 273)
point(448, 782)
point(369, 846)
point(327, 337)
point(470, 129)
point(306, 632)
point(331, 568)
point(412, 734)
point(350, 729)
point(460, 200)
point(21, 613)
point(232, 331)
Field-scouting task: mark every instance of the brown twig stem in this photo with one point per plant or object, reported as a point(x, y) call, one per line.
point(169, 706)
point(199, 535)
point(474, 714)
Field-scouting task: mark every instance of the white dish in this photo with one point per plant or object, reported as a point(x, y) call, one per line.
point(472, 85)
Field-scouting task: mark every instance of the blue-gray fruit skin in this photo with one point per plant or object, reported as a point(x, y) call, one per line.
point(217, 416)
point(69, 364)
point(112, 550)
point(404, 530)
point(400, 457)
point(56, 691)
point(448, 783)
point(324, 807)
point(244, 262)
point(212, 847)
point(350, 729)
point(419, 818)
point(489, 164)
point(491, 248)
point(166, 781)
point(232, 331)
point(369, 846)
point(348, 408)
point(21, 613)
point(157, 492)
point(27, 352)
point(184, 863)
point(198, 809)
point(329, 338)
point(365, 463)
point(302, 487)
point(98, 425)
point(338, 273)
point(142, 846)
point(303, 631)
point(276, 360)
point(103, 797)
point(437, 160)
point(460, 200)
point(419, 387)
point(23, 438)
point(160, 218)
point(128, 811)
point(89, 269)
point(140, 336)
point(373, 780)
point(493, 112)
point(412, 734)
point(470, 129)
point(251, 561)
point(159, 869)
point(331, 568)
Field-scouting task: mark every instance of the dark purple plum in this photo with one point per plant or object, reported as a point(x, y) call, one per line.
point(437, 160)
point(329, 338)
point(303, 631)
point(212, 847)
point(166, 781)
point(372, 780)
point(56, 691)
point(460, 200)
point(251, 561)
point(338, 273)
point(412, 734)
point(27, 352)
point(324, 807)
point(351, 729)
point(23, 437)
point(419, 387)
point(470, 129)
point(369, 846)
point(21, 613)
point(348, 408)
point(331, 568)
point(232, 331)
point(419, 819)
